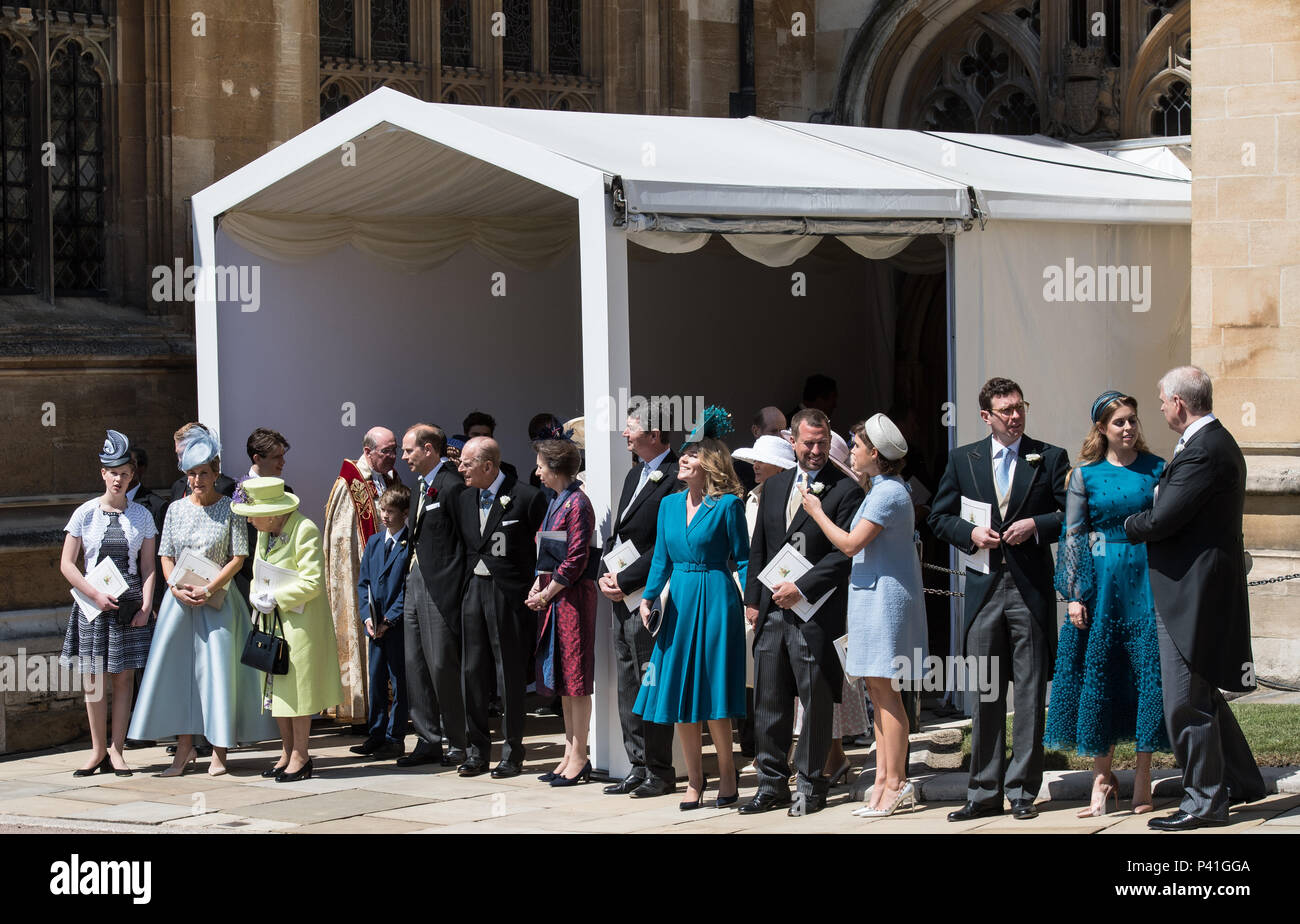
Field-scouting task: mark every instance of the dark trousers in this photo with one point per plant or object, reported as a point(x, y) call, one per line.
point(433, 680)
point(497, 640)
point(784, 667)
point(649, 746)
point(1016, 646)
point(1207, 740)
point(388, 666)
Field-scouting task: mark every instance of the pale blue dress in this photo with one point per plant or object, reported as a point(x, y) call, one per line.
point(194, 683)
point(886, 615)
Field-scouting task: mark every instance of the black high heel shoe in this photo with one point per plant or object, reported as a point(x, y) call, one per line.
point(104, 766)
point(724, 801)
point(584, 776)
point(274, 773)
point(699, 801)
point(302, 774)
point(547, 776)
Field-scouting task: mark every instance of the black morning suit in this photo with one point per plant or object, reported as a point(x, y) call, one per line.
point(649, 746)
point(1009, 614)
point(1196, 561)
point(793, 657)
point(431, 623)
point(498, 631)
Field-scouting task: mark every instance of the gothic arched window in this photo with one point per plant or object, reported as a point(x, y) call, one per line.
point(564, 36)
point(390, 30)
point(16, 251)
point(517, 45)
point(77, 176)
point(337, 27)
point(1173, 114)
point(457, 34)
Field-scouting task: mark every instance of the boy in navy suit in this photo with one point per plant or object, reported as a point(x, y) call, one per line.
point(382, 591)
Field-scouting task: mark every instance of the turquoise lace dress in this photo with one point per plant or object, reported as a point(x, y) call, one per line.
point(1107, 682)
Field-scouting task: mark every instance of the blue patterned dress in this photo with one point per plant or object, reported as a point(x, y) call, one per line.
point(1107, 682)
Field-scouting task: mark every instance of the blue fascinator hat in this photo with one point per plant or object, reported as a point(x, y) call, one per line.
point(714, 424)
point(116, 450)
point(199, 447)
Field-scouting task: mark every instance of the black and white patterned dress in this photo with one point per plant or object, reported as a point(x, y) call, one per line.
point(101, 645)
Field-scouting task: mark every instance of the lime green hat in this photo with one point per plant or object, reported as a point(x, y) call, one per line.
point(264, 497)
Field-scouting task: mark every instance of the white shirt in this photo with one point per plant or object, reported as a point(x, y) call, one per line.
point(389, 534)
point(650, 467)
point(130, 495)
point(1193, 428)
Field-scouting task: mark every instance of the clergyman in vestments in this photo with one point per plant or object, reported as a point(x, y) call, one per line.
point(351, 518)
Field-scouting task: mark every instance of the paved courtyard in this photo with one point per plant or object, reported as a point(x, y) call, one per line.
point(351, 795)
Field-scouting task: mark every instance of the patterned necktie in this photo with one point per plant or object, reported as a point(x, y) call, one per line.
point(1003, 471)
point(645, 476)
point(424, 493)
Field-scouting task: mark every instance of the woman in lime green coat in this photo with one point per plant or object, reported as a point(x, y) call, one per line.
point(288, 540)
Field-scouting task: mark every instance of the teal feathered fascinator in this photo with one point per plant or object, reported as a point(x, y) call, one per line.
point(715, 423)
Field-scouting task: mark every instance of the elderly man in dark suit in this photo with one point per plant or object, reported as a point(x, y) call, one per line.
point(435, 576)
point(793, 656)
point(652, 478)
point(1196, 557)
point(1008, 614)
point(498, 517)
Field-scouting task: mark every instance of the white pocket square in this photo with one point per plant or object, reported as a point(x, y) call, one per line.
point(509, 522)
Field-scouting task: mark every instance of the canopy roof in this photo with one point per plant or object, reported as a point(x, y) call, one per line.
point(416, 161)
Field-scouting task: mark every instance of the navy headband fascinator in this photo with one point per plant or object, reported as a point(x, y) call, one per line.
point(714, 424)
point(116, 450)
point(1104, 399)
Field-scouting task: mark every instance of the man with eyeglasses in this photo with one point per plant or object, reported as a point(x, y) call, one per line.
point(351, 518)
point(1009, 613)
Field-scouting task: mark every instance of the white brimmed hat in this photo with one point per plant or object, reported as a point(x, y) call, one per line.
point(770, 449)
point(885, 436)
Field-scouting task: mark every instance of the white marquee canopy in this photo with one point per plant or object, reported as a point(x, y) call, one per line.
point(397, 215)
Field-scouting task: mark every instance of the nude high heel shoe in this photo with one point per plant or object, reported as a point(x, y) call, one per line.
point(1101, 794)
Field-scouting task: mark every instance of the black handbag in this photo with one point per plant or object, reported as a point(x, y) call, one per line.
point(267, 651)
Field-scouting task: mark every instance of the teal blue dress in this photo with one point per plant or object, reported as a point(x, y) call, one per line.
point(697, 668)
point(1106, 687)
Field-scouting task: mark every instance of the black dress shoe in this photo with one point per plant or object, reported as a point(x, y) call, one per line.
point(388, 749)
point(625, 786)
point(1023, 808)
point(765, 802)
point(505, 770)
point(454, 757)
point(419, 758)
point(976, 810)
point(203, 750)
point(653, 786)
point(806, 805)
point(472, 767)
point(1182, 821)
point(367, 747)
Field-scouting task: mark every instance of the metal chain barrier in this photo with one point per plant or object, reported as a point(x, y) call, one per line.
point(1273, 580)
point(954, 593)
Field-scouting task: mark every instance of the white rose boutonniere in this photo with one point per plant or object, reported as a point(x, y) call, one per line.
point(656, 475)
point(1033, 458)
point(504, 501)
point(818, 488)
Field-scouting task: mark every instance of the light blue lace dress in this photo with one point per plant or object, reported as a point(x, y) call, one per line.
point(1106, 687)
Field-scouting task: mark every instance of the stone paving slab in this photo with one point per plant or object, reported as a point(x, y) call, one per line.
point(317, 785)
point(1286, 819)
point(210, 822)
point(328, 806)
point(102, 795)
point(432, 788)
point(169, 785)
point(231, 797)
point(16, 789)
point(45, 806)
point(140, 812)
